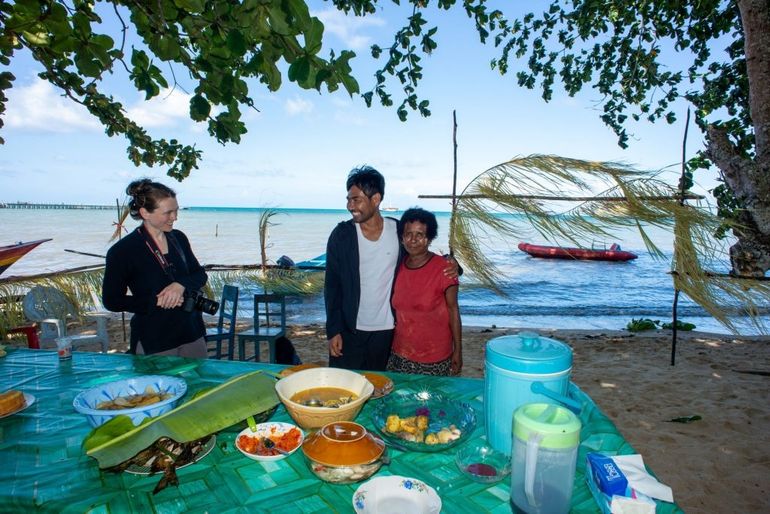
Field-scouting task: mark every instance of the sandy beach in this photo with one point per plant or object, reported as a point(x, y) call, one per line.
point(720, 463)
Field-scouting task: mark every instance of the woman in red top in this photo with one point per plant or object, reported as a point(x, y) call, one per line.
point(428, 333)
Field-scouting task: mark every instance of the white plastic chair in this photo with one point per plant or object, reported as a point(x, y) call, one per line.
point(49, 308)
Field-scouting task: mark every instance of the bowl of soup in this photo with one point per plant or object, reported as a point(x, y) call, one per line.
point(319, 396)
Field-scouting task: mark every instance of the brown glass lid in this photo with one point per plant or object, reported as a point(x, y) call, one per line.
point(343, 443)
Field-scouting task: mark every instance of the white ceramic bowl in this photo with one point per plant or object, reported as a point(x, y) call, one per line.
point(276, 428)
point(86, 401)
point(316, 417)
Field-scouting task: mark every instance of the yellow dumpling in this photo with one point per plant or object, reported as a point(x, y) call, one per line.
point(409, 425)
point(393, 423)
point(422, 422)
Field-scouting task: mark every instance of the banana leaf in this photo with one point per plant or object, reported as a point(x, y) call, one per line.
point(212, 411)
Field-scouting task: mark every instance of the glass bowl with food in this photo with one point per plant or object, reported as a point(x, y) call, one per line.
point(141, 397)
point(482, 463)
point(344, 452)
point(422, 420)
point(318, 396)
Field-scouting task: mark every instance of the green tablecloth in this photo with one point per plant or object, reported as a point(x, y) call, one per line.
point(42, 466)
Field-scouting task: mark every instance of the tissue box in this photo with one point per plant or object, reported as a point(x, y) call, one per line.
point(606, 474)
point(608, 484)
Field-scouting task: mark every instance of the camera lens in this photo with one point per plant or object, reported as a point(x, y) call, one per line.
point(206, 305)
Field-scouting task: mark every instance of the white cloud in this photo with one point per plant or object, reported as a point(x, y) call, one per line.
point(40, 106)
point(349, 28)
point(167, 109)
point(298, 105)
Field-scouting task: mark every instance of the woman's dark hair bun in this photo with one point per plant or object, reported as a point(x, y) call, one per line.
point(146, 193)
point(138, 187)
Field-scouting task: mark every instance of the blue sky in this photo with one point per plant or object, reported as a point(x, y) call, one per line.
point(301, 144)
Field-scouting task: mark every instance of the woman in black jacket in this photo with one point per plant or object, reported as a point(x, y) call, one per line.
point(155, 262)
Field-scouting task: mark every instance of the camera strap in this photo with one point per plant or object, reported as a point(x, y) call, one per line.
point(154, 249)
point(174, 241)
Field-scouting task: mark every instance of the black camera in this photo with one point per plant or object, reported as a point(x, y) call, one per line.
point(194, 300)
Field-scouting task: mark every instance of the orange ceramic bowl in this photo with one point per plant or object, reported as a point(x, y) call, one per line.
point(343, 452)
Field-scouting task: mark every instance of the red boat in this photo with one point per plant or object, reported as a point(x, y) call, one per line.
point(12, 253)
point(614, 253)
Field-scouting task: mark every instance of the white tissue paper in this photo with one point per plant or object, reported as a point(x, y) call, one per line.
point(633, 467)
point(623, 505)
point(640, 487)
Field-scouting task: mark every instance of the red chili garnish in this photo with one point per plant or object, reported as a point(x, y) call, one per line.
point(481, 469)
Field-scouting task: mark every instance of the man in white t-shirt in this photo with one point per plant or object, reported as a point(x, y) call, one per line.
point(362, 255)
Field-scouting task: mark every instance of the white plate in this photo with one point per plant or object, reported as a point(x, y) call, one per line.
point(265, 430)
point(395, 495)
point(145, 470)
point(28, 398)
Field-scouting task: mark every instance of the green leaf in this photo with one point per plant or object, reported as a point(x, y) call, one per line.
point(680, 325)
point(278, 22)
point(82, 25)
point(200, 108)
point(113, 428)
point(314, 37)
point(642, 324)
point(104, 41)
point(192, 6)
point(299, 70)
point(212, 411)
point(168, 48)
point(87, 65)
point(236, 42)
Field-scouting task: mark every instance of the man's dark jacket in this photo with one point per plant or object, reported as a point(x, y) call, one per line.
point(342, 285)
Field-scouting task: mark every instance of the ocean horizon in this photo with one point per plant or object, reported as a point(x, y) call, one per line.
point(540, 293)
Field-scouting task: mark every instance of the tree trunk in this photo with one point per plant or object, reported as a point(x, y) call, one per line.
point(750, 179)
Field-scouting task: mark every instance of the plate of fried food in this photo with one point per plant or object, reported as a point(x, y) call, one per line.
point(14, 401)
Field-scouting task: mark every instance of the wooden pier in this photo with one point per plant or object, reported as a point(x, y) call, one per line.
point(67, 206)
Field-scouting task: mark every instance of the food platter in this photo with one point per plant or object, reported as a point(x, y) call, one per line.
point(423, 421)
point(285, 372)
point(382, 384)
point(391, 494)
point(28, 400)
point(273, 431)
point(205, 450)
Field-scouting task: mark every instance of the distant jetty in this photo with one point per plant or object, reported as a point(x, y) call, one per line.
point(68, 206)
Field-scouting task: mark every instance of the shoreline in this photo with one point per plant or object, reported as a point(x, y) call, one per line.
point(716, 461)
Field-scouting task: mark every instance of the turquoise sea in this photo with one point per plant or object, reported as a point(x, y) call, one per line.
point(541, 293)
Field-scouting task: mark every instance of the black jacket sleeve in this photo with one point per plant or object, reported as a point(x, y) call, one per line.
point(118, 274)
point(333, 285)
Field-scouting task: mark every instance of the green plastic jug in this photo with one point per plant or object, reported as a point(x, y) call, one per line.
point(545, 446)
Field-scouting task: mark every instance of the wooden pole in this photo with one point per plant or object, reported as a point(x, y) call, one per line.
point(681, 202)
point(454, 185)
point(688, 196)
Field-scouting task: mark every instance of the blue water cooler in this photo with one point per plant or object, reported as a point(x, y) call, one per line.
point(520, 369)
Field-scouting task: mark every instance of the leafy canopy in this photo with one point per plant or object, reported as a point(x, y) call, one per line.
point(223, 47)
point(626, 52)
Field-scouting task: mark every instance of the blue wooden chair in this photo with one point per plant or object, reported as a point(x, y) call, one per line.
point(225, 329)
point(269, 324)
